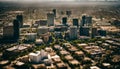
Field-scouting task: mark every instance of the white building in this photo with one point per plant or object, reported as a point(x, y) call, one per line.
point(94, 67)
point(73, 32)
point(50, 19)
point(38, 56)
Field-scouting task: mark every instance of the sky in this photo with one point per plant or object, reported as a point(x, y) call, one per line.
point(53, 0)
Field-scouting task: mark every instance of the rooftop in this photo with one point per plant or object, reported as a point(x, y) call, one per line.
point(68, 57)
point(61, 65)
point(94, 67)
point(74, 62)
point(63, 52)
point(37, 66)
point(79, 53)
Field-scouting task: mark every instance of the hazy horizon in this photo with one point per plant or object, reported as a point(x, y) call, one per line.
point(71, 3)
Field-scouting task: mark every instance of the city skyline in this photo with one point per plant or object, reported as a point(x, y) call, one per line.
point(58, 34)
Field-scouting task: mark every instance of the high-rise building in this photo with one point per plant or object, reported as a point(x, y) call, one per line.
point(94, 32)
point(20, 19)
point(84, 31)
point(102, 32)
point(75, 22)
point(58, 35)
point(73, 32)
point(42, 30)
point(68, 13)
point(66, 36)
point(89, 20)
point(62, 12)
point(16, 29)
point(64, 20)
point(50, 19)
point(83, 20)
point(8, 32)
point(43, 23)
point(54, 11)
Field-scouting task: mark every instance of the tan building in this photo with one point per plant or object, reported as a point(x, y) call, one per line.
point(8, 31)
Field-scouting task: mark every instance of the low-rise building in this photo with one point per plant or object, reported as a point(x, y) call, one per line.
point(106, 65)
point(72, 49)
point(39, 66)
point(47, 62)
point(61, 65)
point(4, 62)
point(57, 47)
point(74, 64)
point(94, 67)
point(38, 56)
point(79, 55)
point(57, 60)
point(86, 60)
point(64, 52)
point(82, 45)
point(39, 41)
point(48, 49)
point(20, 47)
point(68, 57)
point(51, 67)
point(42, 30)
point(31, 36)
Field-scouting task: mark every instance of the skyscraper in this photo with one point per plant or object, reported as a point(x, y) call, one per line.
point(89, 20)
point(64, 20)
point(42, 30)
point(16, 29)
point(75, 22)
point(68, 13)
point(93, 32)
point(73, 32)
point(43, 22)
point(84, 31)
point(83, 20)
point(50, 19)
point(54, 12)
point(102, 32)
point(20, 19)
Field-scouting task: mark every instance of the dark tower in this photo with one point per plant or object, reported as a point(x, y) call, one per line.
point(20, 19)
point(16, 29)
point(75, 22)
point(102, 32)
point(68, 13)
point(64, 20)
point(54, 11)
point(83, 20)
point(84, 31)
point(89, 20)
point(94, 32)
